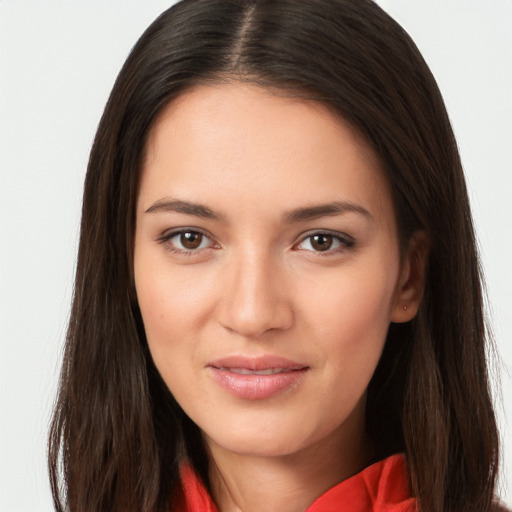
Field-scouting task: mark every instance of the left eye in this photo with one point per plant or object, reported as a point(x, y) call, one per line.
point(189, 241)
point(323, 242)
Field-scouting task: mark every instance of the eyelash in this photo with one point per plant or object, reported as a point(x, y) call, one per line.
point(345, 242)
point(167, 237)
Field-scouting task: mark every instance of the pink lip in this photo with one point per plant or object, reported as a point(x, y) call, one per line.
point(283, 374)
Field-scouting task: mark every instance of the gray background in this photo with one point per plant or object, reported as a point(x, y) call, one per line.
point(58, 62)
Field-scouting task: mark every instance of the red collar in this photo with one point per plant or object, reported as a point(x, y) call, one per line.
point(381, 487)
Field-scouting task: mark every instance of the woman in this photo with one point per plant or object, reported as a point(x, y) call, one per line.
point(277, 290)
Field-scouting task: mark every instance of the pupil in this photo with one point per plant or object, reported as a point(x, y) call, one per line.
point(191, 240)
point(321, 242)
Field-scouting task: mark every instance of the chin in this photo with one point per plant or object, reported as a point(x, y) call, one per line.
point(273, 439)
point(257, 445)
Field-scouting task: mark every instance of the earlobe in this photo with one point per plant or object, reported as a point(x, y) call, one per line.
point(412, 279)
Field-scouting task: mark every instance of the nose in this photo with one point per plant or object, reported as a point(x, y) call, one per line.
point(254, 298)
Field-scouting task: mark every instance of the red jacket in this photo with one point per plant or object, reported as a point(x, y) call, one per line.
point(382, 487)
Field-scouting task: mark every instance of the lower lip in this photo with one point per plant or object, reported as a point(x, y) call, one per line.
point(257, 387)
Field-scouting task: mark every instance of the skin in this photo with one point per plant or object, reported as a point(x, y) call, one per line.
point(257, 284)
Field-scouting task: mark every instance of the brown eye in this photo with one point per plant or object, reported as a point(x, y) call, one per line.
point(329, 243)
point(191, 240)
point(321, 242)
point(186, 242)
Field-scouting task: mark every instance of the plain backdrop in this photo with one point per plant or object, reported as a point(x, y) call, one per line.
point(58, 62)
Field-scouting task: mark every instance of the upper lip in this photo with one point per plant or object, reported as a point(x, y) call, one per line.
point(265, 362)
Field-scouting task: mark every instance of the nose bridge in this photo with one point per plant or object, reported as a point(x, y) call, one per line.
point(254, 298)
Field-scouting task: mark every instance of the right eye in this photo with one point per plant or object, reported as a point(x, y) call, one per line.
point(186, 241)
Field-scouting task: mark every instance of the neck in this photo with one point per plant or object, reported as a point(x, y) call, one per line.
point(288, 483)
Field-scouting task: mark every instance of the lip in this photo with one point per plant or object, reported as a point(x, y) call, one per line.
point(257, 378)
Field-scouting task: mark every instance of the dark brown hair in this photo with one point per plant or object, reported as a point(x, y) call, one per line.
point(118, 436)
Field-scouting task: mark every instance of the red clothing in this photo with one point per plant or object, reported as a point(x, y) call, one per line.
point(381, 487)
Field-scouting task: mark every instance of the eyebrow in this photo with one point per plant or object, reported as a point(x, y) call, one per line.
point(291, 217)
point(325, 210)
point(174, 205)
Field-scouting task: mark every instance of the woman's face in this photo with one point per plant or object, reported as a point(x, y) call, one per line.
point(267, 267)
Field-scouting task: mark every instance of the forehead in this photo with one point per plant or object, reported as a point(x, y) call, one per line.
point(243, 108)
point(231, 140)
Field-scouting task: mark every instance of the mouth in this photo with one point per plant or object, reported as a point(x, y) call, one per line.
point(246, 371)
point(257, 378)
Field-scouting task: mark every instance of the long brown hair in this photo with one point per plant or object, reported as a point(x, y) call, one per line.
point(118, 436)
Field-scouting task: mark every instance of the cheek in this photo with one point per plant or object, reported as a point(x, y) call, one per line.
point(176, 304)
point(349, 321)
point(170, 298)
point(162, 306)
point(351, 314)
point(166, 316)
point(158, 306)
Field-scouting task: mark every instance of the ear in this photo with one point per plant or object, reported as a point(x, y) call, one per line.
point(411, 282)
